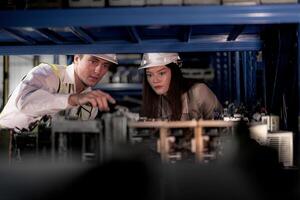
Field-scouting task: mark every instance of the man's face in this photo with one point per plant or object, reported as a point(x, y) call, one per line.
point(90, 69)
point(159, 78)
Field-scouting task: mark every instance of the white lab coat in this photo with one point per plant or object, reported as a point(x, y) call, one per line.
point(44, 91)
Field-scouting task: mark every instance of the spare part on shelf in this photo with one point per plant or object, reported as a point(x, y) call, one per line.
point(240, 2)
point(86, 3)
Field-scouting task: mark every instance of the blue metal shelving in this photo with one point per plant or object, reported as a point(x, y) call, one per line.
point(135, 16)
point(139, 29)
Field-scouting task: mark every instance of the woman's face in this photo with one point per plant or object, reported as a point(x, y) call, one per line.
point(159, 78)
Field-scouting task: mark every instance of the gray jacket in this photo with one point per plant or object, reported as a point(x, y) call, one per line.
point(199, 102)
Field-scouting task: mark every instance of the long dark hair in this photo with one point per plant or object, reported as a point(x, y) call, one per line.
point(174, 95)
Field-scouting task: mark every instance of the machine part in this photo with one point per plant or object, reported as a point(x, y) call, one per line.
point(170, 140)
point(272, 121)
point(75, 139)
point(115, 129)
point(173, 157)
point(199, 145)
point(259, 133)
point(283, 143)
point(119, 131)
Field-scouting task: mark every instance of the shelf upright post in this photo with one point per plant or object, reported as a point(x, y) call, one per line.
point(231, 97)
point(69, 59)
point(297, 136)
point(55, 59)
point(237, 77)
point(245, 77)
point(253, 69)
point(36, 60)
point(5, 79)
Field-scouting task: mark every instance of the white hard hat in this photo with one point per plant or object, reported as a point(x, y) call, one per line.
point(158, 59)
point(108, 57)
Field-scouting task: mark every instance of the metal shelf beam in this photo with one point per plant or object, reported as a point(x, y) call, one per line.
point(80, 33)
point(171, 15)
point(16, 35)
point(123, 47)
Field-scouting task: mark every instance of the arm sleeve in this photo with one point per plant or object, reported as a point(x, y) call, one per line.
point(208, 103)
point(37, 93)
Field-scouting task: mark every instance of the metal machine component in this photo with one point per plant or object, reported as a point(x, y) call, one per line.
point(283, 143)
point(115, 132)
point(197, 141)
point(76, 140)
point(259, 132)
point(272, 121)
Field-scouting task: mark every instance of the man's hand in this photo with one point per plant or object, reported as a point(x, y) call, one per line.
point(96, 98)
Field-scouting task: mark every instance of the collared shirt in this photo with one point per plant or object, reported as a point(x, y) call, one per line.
point(44, 91)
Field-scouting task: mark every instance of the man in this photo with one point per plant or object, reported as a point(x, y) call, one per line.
point(48, 89)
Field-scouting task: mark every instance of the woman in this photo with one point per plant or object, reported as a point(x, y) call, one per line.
point(167, 95)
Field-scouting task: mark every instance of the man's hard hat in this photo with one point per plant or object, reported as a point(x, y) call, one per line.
point(108, 57)
point(158, 59)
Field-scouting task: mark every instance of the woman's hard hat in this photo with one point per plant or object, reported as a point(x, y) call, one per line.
point(108, 57)
point(158, 59)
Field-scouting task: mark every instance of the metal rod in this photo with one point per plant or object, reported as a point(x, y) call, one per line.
point(180, 124)
point(199, 143)
point(121, 46)
point(81, 34)
point(134, 35)
point(215, 123)
point(165, 124)
point(163, 133)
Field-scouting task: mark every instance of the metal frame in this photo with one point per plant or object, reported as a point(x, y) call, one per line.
point(74, 127)
point(5, 80)
point(198, 127)
point(297, 137)
point(134, 35)
point(18, 36)
point(171, 15)
point(78, 20)
point(49, 35)
point(80, 33)
point(126, 47)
